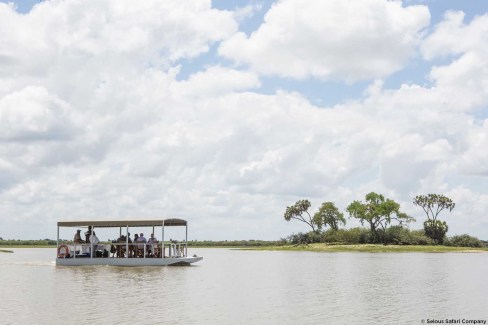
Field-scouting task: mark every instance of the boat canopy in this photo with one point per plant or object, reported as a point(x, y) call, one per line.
point(124, 223)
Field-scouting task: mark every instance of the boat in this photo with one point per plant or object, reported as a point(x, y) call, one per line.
point(122, 251)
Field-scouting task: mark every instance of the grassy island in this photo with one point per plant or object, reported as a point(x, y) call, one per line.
point(373, 248)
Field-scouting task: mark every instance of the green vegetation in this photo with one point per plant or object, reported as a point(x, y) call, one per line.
point(433, 204)
point(235, 243)
point(298, 211)
point(464, 241)
point(329, 215)
point(436, 230)
point(378, 213)
point(373, 248)
point(395, 235)
point(27, 243)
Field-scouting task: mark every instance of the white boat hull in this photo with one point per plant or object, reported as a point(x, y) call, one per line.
point(127, 261)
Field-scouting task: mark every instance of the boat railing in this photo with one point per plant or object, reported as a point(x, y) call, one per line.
point(177, 250)
point(119, 250)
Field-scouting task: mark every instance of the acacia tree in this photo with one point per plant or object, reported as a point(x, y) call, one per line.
point(378, 212)
point(329, 215)
point(433, 204)
point(299, 211)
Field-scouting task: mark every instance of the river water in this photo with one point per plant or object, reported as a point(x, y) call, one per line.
point(248, 287)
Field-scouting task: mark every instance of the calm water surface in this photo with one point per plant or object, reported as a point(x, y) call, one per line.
point(247, 287)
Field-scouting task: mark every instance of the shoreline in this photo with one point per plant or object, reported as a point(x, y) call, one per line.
point(3, 247)
point(372, 248)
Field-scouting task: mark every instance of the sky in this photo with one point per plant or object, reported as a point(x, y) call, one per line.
point(224, 113)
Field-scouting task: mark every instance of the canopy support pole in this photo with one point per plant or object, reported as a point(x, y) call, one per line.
point(162, 241)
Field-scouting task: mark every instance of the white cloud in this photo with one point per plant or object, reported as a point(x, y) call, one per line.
point(124, 31)
point(216, 80)
point(32, 114)
point(453, 37)
point(464, 82)
point(331, 39)
point(95, 125)
point(475, 159)
point(469, 215)
point(247, 12)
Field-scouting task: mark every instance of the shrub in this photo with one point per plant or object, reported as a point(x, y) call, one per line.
point(399, 235)
point(350, 236)
point(332, 236)
point(418, 237)
point(305, 238)
point(463, 241)
point(436, 230)
point(315, 237)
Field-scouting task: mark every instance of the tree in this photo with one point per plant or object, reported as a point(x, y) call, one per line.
point(436, 230)
point(297, 212)
point(433, 204)
point(329, 215)
point(378, 212)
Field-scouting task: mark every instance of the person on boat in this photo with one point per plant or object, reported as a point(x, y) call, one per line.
point(153, 244)
point(152, 239)
point(94, 241)
point(88, 234)
point(77, 239)
point(131, 247)
point(142, 239)
point(141, 242)
point(120, 247)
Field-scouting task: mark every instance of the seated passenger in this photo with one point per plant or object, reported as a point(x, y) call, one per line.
point(78, 242)
point(141, 242)
point(121, 245)
point(141, 238)
point(113, 248)
point(77, 238)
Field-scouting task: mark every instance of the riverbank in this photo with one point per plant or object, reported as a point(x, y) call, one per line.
point(372, 248)
point(26, 246)
point(321, 247)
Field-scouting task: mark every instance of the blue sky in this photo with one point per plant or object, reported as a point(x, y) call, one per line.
point(225, 112)
point(322, 93)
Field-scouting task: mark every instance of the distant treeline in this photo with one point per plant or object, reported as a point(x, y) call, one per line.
point(21, 242)
point(235, 243)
